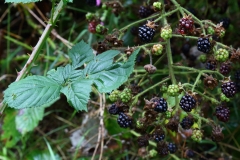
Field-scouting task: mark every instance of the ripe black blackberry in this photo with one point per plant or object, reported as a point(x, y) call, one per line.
point(158, 137)
point(124, 121)
point(187, 103)
point(187, 122)
point(229, 89)
point(146, 32)
point(172, 148)
point(91, 2)
point(113, 109)
point(225, 22)
point(222, 113)
point(161, 105)
point(211, 65)
point(145, 11)
point(204, 45)
point(225, 69)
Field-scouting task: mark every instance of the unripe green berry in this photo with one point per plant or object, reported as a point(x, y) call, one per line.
point(157, 6)
point(126, 95)
point(166, 32)
point(153, 153)
point(114, 95)
point(210, 30)
point(203, 58)
point(197, 135)
point(221, 55)
point(99, 28)
point(157, 49)
point(224, 98)
point(168, 114)
point(222, 33)
point(89, 16)
point(173, 90)
point(164, 88)
point(139, 124)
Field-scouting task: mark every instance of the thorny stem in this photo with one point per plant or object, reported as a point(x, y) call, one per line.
point(38, 47)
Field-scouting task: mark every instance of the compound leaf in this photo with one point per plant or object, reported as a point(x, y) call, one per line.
point(27, 119)
point(80, 53)
point(108, 76)
point(64, 74)
point(33, 91)
point(78, 93)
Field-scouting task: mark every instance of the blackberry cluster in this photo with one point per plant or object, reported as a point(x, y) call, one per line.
point(158, 137)
point(222, 113)
point(187, 103)
point(211, 65)
point(229, 89)
point(204, 45)
point(225, 69)
point(186, 25)
point(189, 153)
point(124, 121)
point(172, 148)
point(145, 11)
point(161, 105)
point(113, 109)
point(187, 123)
point(146, 33)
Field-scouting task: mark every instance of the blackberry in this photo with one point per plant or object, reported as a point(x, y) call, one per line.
point(158, 134)
point(173, 125)
point(222, 113)
point(189, 153)
point(204, 45)
point(225, 22)
point(217, 134)
point(187, 122)
point(166, 32)
point(225, 69)
point(162, 148)
point(157, 49)
point(186, 25)
point(172, 148)
point(161, 105)
point(126, 95)
point(114, 95)
point(92, 26)
point(197, 135)
point(113, 109)
point(187, 103)
point(173, 90)
point(145, 11)
point(143, 141)
point(229, 89)
point(221, 55)
point(146, 32)
point(124, 121)
point(211, 65)
point(91, 2)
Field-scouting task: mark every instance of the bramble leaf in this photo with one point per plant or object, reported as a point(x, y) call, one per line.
point(64, 74)
point(108, 76)
point(80, 53)
point(27, 119)
point(33, 91)
point(78, 93)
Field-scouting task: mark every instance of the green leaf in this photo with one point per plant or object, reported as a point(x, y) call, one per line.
point(78, 93)
point(64, 74)
point(27, 119)
point(10, 134)
point(21, 1)
point(41, 155)
point(33, 91)
point(108, 76)
point(80, 53)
